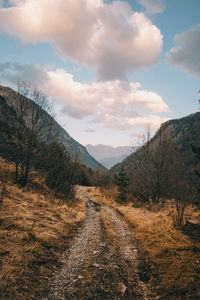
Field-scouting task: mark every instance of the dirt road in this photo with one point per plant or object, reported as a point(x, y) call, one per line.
point(103, 261)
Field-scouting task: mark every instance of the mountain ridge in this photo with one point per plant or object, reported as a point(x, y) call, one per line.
point(71, 145)
point(183, 132)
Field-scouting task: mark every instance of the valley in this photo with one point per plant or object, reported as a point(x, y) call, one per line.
point(109, 156)
point(71, 229)
point(99, 150)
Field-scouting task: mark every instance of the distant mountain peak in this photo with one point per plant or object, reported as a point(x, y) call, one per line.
point(108, 155)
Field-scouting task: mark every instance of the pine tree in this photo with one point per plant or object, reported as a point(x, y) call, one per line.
point(121, 180)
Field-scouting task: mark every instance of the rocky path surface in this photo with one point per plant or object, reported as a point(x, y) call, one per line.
point(103, 261)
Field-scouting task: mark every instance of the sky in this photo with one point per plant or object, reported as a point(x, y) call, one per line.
point(111, 67)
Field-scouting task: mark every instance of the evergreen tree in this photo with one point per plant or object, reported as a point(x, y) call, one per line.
point(121, 181)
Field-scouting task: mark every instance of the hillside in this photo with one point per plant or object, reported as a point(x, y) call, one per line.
point(35, 229)
point(7, 108)
point(183, 132)
point(92, 246)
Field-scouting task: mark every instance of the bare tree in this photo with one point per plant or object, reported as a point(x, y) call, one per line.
point(151, 167)
point(184, 195)
point(182, 190)
point(32, 126)
point(59, 168)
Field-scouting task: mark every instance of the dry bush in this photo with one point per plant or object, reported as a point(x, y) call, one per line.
point(6, 171)
point(33, 233)
point(108, 195)
point(5, 178)
point(176, 256)
point(3, 190)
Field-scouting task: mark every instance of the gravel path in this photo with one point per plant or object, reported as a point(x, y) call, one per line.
point(103, 261)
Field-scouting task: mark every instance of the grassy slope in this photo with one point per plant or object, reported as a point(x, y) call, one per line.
point(34, 232)
point(174, 255)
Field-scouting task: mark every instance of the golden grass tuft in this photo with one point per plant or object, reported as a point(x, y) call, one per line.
point(34, 231)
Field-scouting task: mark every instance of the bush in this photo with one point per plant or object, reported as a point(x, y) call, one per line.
point(59, 168)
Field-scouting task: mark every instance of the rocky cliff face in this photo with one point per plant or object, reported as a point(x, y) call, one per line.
point(7, 108)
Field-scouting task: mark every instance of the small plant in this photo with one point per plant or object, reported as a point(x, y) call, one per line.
point(50, 195)
point(4, 191)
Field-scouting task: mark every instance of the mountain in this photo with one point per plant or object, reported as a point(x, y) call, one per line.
point(7, 109)
point(108, 155)
point(183, 132)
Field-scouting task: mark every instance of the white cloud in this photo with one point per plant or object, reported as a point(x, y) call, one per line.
point(153, 120)
point(186, 56)
point(153, 6)
point(150, 100)
point(109, 38)
point(115, 104)
point(140, 121)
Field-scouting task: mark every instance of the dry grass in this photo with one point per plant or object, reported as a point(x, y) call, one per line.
point(106, 196)
point(174, 255)
point(34, 231)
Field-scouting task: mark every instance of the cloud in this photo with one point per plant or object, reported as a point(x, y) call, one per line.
point(153, 120)
point(117, 123)
point(115, 104)
point(186, 56)
point(108, 38)
point(14, 72)
point(153, 6)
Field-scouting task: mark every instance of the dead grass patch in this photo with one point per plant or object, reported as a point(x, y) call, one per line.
point(33, 233)
point(175, 256)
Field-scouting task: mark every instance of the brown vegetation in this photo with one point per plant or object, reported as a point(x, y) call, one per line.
point(174, 255)
point(34, 230)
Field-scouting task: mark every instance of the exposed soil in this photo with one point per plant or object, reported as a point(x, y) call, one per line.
point(103, 262)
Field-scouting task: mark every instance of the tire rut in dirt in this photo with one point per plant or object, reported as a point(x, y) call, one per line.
point(83, 250)
point(125, 257)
